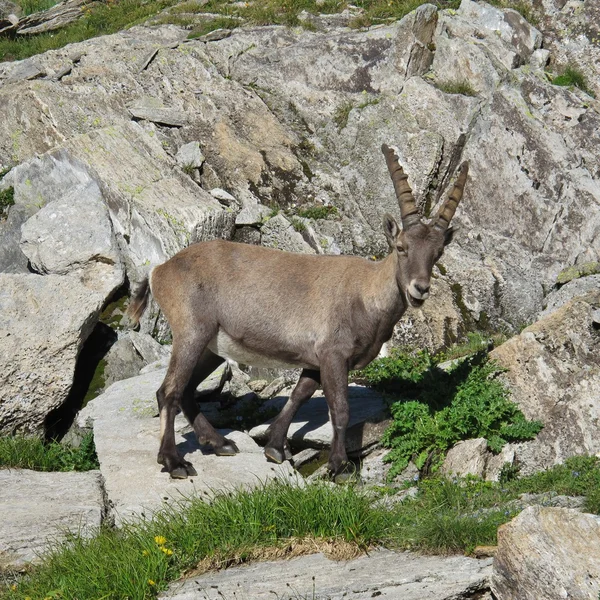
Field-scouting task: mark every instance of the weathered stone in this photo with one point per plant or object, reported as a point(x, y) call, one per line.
point(156, 211)
point(122, 362)
point(40, 340)
point(126, 432)
point(549, 553)
point(466, 458)
point(190, 156)
point(382, 573)
point(575, 287)
point(223, 197)
point(74, 235)
point(252, 214)
point(37, 509)
point(148, 348)
point(279, 233)
point(497, 462)
point(272, 388)
point(554, 376)
point(311, 426)
point(56, 17)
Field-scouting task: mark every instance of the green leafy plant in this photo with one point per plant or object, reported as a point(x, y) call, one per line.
point(22, 452)
point(435, 409)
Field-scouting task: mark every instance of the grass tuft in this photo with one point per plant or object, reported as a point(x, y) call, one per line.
point(21, 452)
point(464, 88)
point(572, 77)
point(318, 212)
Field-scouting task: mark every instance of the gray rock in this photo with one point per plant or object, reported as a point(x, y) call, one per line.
point(148, 348)
point(40, 340)
point(126, 432)
point(190, 156)
point(279, 233)
point(382, 573)
point(549, 553)
point(215, 381)
point(272, 388)
point(223, 197)
point(12, 259)
point(54, 18)
point(576, 287)
point(38, 509)
point(311, 426)
point(122, 362)
point(74, 234)
point(252, 214)
point(466, 458)
point(553, 375)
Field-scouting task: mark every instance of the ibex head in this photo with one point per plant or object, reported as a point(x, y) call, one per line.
point(418, 245)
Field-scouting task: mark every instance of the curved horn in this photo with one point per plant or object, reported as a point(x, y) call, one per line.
point(447, 210)
point(406, 200)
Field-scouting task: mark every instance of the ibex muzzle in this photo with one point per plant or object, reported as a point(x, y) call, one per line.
point(258, 306)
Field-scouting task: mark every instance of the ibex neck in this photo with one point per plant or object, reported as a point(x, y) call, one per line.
point(390, 298)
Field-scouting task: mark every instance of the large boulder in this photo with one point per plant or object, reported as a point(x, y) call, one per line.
point(44, 322)
point(549, 553)
point(39, 509)
point(554, 375)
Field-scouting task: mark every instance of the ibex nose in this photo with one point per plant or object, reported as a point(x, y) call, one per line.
point(423, 289)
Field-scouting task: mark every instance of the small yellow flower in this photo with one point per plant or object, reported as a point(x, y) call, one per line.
point(145, 552)
point(160, 540)
point(13, 587)
point(150, 582)
point(167, 551)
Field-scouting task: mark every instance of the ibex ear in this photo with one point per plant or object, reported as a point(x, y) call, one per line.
point(449, 234)
point(391, 230)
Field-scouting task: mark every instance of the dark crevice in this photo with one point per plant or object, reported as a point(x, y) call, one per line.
point(95, 348)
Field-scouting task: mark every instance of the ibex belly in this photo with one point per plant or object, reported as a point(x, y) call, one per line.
point(225, 346)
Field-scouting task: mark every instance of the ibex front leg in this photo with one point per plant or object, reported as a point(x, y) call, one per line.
point(181, 367)
point(334, 377)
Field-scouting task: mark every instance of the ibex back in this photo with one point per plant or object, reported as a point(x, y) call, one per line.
point(258, 306)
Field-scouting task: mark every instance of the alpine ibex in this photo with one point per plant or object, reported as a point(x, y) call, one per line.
point(264, 307)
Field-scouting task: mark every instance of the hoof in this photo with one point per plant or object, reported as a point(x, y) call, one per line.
point(287, 451)
point(275, 455)
point(183, 471)
point(345, 473)
point(227, 449)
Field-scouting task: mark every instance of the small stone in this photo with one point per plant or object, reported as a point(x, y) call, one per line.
point(223, 197)
point(190, 156)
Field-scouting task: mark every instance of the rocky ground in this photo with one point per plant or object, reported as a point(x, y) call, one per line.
point(124, 149)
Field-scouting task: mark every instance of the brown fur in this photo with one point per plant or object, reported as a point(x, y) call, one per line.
point(326, 314)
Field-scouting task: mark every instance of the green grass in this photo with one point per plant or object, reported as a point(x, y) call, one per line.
point(523, 8)
point(318, 212)
point(21, 452)
point(7, 199)
point(434, 409)
point(139, 560)
point(475, 342)
point(572, 77)
point(106, 18)
point(463, 88)
point(32, 6)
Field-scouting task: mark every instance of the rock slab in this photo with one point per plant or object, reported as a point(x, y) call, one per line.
point(37, 508)
point(382, 574)
point(311, 426)
point(127, 435)
point(549, 553)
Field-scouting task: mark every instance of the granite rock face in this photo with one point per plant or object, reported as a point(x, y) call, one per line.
point(554, 376)
point(549, 553)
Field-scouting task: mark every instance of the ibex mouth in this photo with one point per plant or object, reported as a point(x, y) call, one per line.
point(415, 302)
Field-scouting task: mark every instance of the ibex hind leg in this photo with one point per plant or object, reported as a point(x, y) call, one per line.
point(170, 394)
point(204, 431)
point(277, 448)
